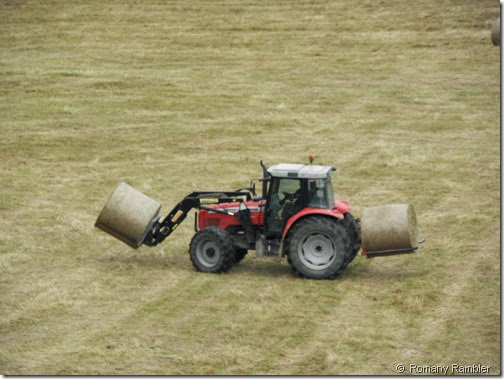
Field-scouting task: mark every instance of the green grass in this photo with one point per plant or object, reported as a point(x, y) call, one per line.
point(401, 97)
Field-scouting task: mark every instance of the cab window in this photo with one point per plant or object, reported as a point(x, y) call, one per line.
point(320, 193)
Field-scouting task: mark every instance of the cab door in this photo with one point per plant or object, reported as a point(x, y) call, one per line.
point(285, 199)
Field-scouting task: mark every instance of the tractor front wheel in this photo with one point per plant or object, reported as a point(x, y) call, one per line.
point(211, 250)
point(318, 247)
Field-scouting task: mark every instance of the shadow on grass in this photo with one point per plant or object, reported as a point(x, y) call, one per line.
point(265, 267)
point(248, 267)
point(360, 269)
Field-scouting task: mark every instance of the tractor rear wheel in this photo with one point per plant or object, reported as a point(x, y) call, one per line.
point(211, 250)
point(318, 247)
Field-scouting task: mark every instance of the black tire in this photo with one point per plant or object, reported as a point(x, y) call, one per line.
point(352, 228)
point(318, 247)
point(211, 250)
point(240, 254)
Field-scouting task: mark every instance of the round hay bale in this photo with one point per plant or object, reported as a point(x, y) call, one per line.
point(496, 32)
point(389, 227)
point(128, 215)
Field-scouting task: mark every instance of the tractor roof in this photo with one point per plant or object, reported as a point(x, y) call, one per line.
point(290, 170)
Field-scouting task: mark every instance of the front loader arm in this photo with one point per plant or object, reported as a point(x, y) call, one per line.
point(160, 230)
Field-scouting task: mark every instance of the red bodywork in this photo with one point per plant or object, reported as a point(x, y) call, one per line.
point(208, 218)
point(339, 210)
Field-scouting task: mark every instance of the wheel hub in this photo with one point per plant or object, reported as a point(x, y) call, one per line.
point(208, 253)
point(317, 251)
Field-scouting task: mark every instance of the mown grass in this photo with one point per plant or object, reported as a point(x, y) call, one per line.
point(403, 98)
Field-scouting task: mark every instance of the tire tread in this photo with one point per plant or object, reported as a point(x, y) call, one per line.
point(317, 222)
point(224, 239)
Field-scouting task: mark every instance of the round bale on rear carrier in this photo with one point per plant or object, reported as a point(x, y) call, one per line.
point(128, 215)
point(389, 230)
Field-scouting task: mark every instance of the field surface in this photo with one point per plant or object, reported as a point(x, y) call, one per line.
point(171, 97)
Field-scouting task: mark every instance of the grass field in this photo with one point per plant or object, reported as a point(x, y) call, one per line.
point(172, 97)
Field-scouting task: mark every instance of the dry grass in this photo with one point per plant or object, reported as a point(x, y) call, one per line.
point(403, 98)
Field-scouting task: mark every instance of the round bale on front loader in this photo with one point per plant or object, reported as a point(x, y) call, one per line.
point(128, 215)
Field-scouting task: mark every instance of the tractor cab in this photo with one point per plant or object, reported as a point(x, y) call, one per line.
point(294, 187)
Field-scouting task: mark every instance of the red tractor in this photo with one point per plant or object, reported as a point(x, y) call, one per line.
point(296, 216)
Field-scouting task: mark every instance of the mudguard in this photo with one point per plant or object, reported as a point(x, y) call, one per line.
point(339, 210)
